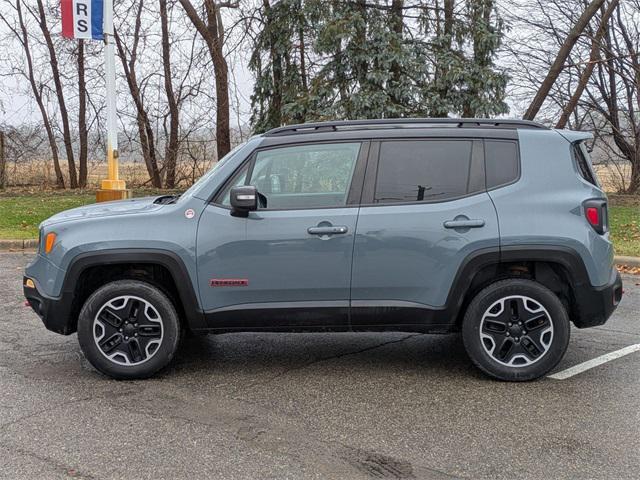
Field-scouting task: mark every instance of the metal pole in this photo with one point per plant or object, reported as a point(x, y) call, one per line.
point(112, 182)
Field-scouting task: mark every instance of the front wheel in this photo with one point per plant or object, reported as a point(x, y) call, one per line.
point(516, 330)
point(128, 329)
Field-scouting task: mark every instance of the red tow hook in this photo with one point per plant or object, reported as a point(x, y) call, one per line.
point(26, 303)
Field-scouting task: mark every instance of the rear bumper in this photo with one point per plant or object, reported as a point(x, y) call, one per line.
point(55, 313)
point(594, 305)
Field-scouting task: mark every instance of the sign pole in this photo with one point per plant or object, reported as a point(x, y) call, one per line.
point(112, 188)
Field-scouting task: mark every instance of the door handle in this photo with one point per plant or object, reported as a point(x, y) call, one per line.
point(464, 223)
point(327, 230)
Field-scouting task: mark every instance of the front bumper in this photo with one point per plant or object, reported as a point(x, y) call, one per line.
point(594, 305)
point(55, 313)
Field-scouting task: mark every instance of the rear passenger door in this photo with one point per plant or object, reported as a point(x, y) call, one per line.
point(424, 210)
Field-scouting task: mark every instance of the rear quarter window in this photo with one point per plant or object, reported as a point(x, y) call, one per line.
point(583, 162)
point(502, 162)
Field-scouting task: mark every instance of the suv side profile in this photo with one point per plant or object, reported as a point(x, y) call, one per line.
point(495, 228)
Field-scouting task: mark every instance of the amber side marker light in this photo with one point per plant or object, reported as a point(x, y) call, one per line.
point(49, 240)
point(29, 283)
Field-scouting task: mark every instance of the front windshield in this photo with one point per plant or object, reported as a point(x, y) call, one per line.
point(204, 178)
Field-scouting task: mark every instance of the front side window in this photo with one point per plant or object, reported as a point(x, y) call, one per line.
point(423, 171)
point(303, 176)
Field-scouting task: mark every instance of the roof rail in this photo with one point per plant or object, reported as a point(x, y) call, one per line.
point(333, 126)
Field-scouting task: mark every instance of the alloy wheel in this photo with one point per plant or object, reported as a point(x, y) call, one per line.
point(128, 330)
point(516, 331)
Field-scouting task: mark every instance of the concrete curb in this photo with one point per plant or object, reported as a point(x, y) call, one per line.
point(13, 245)
point(630, 261)
point(32, 244)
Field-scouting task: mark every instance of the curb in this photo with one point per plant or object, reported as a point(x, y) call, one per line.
point(32, 244)
point(629, 261)
point(13, 245)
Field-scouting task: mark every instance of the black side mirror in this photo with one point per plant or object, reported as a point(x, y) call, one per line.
point(243, 200)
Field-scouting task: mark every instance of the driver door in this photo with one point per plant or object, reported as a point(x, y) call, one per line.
point(287, 264)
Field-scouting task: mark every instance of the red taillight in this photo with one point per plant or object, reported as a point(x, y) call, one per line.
point(595, 211)
point(593, 215)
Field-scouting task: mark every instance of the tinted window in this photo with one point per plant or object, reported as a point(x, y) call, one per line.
point(423, 170)
point(501, 161)
point(583, 163)
point(307, 176)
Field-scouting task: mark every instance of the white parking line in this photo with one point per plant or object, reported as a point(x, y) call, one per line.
point(589, 364)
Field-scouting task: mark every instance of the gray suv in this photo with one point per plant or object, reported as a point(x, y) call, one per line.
point(495, 228)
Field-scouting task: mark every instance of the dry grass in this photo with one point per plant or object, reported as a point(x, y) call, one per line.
point(611, 177)
point(41, 174)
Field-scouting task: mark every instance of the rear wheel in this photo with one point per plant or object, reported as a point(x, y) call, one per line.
point(128, 329)
point(516, 330)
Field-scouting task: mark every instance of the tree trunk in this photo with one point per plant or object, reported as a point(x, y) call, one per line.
point(145, 130)
point(440, 70)
point(171, 149)
point(563, 54)
point(3, 163)
point(66, 130)
point(275, 113)
point(594, 56)
point(82, 118)
point(397, 27)
point(23, 37)
point(213, 34)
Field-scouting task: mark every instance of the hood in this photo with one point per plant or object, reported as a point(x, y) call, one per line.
point(105, 209)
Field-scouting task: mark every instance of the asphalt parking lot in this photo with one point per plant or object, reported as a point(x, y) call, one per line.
point(313, 406)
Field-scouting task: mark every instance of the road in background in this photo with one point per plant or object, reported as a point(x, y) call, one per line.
point(313, 406)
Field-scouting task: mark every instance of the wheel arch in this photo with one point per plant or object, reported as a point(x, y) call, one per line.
point(162, 268)
point(558, 268)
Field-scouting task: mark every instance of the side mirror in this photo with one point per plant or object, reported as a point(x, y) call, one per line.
point(243, 200)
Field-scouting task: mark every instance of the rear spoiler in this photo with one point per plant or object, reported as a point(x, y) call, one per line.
point(574, 136)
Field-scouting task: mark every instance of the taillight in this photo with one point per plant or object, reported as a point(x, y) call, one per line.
point(595, 211)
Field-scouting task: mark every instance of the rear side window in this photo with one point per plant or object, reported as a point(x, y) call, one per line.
point(424, 170)
point(583, 163)
point(501, 162)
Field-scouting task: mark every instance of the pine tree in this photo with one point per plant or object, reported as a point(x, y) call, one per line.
point(376, 59)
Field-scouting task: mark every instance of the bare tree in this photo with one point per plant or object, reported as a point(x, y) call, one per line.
point(129, 57)
point(172, 144)
point(561, 58)
point(3, 162)
point(615, 95)
point(211, 28)
point(82, 118)
point(64, 114)
point(23, 38)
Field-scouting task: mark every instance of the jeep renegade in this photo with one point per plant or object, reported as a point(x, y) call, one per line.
point(495, 228)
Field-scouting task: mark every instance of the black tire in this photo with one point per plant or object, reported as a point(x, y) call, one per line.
point(152, 342)
point(507, 359)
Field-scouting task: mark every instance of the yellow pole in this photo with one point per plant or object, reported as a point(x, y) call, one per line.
point(112, 188)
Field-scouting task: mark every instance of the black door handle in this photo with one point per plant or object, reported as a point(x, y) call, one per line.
point(464, 223)
point(327, 230)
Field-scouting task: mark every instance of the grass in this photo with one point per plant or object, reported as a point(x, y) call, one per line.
point(625, 229)
point(21, 212)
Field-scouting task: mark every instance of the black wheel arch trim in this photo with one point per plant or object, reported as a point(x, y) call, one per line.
point(592, 306)
point(165, 258)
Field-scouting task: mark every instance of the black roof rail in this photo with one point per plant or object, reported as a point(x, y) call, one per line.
point(332, 126)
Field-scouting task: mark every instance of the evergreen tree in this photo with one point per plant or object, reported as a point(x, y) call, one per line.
point(376, 59)
point(279, 63)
